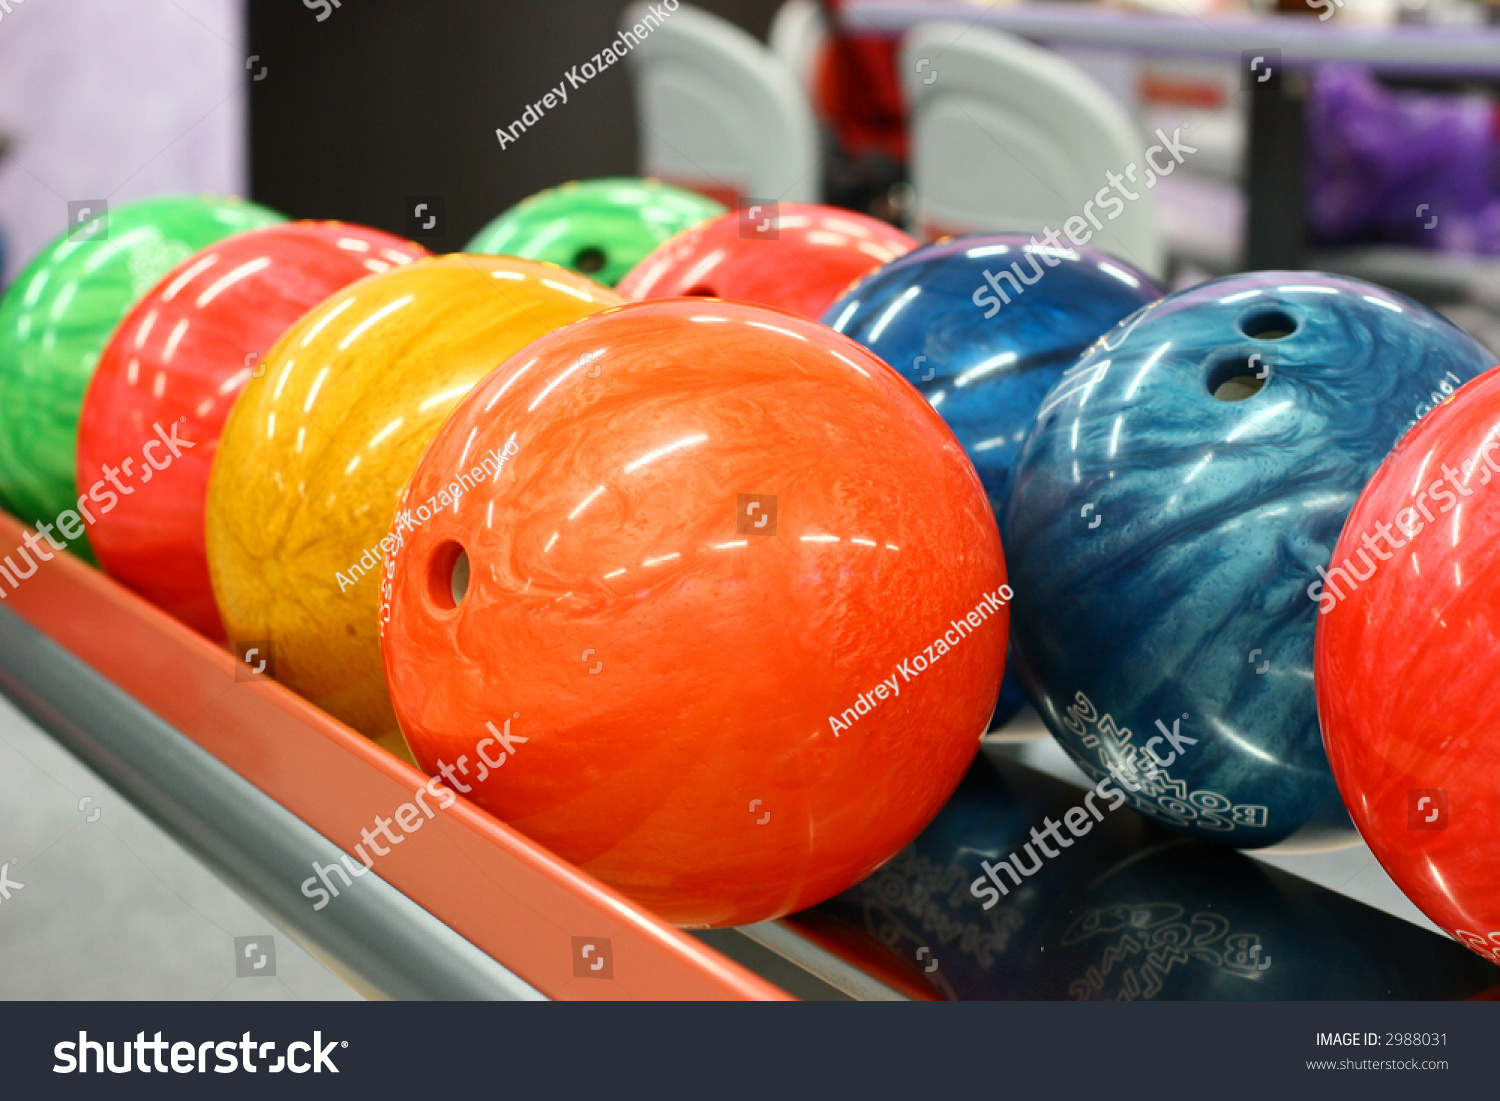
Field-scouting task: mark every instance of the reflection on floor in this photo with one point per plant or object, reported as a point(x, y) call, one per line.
point(1352, 870)
point(1127, 910)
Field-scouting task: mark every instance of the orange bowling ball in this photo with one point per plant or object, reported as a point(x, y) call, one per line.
point(314, 456)
point(725, 628)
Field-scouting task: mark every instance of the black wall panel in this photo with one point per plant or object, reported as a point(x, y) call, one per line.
point(383, 100)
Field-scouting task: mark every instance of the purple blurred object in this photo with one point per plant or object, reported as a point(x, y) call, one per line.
point(1399, 167)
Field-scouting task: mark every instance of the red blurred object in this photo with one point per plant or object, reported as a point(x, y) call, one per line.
point(1405, 663)
point(717, 530)
point(794, 256)
point(178, 360)
point(1166, 89)
point(858, 91)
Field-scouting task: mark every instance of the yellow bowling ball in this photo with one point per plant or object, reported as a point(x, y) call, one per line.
point(318, 448)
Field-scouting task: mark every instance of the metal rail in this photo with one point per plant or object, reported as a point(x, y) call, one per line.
point(375, 934)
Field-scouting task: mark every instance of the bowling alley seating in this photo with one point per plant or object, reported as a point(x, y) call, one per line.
point(797, 35)
point(1007, 136)
point(720, 113)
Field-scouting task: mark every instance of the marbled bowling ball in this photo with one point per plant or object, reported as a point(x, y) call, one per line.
point(1173, 504)
point(1407, 637)
point(56, 319)
point(983, 326)
point(797, 257)
point(599, 228)
point(314, 456)
point(181, 357)
point(720, 529)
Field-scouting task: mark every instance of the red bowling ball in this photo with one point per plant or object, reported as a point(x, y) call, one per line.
point(1405, 655)
point(794, 256)
point(725, 628)
point(178, 361)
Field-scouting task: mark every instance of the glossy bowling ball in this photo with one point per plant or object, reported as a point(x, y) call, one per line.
point(1174, 503)
point(179, 359)
point(736, 587)
point(601, 228)
point(1409, 629)
point(984, 326)
point(793, 256)
point(316, 451)
point(56, 319)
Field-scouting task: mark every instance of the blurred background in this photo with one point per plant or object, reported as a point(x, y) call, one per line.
point(340, 118)
point(1387, 170)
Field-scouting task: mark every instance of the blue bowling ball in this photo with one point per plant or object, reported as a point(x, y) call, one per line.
point(1175, 503)
point(983, 326)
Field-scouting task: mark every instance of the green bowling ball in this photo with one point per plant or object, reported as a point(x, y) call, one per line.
point(58, 315)
point(600, 228)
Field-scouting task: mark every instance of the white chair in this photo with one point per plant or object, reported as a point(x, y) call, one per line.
point(1009, 137)
point(719, 112)
point(798, 34)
